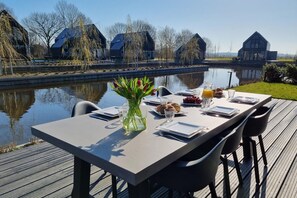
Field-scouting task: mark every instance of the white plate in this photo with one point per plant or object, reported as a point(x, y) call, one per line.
point(160, 114)
point(190, 104)
point(152, 100)
point(182, 129)
point(242, 99)
point(110, 111)
point(185, 93)
point(224, 111)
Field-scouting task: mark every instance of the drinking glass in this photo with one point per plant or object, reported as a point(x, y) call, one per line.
point(231, 93)
point(163, 100)
point(196, 92)
point(205, 103)
point(169, 114)
point(207, 96)
point(123, 110)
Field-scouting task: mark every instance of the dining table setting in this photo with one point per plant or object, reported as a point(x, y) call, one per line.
point(175, 125)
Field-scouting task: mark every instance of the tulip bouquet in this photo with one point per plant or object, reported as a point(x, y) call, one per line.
point(134, 90)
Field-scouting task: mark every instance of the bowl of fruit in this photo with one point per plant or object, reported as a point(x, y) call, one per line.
point(192, 101)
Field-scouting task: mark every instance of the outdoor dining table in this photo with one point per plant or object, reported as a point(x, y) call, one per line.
point(139, 155)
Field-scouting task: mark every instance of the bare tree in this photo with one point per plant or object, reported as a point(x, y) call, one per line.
point(45, 26)
point(183, 37)
point(167, 43)
point(37, 48)
point(209, 47)
point(112, 31)
point(141, 26)
point(128, 41)
point(190, 52)
point(133, 42)
point(83, 45)
point(69, 15)
point(7, 50)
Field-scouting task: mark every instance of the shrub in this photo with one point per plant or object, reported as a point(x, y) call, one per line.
point(272, 73)
point(291, 72)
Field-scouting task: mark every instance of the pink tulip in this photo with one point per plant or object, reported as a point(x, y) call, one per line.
point(139, 83)
point(115, 84)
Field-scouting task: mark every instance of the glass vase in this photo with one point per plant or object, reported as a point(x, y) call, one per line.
point(134, 121)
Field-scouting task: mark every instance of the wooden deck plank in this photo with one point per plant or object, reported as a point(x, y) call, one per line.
point(24, 153)
point(16, 174)
point(100, 184)
point(274, 120)
point(46, 171)
point(272, 153)
point(23, 163)
point(38, 177)
point(288, 188)
point(277, 174)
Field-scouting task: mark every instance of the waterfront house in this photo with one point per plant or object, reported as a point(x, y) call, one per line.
point(123, 41)
point(67, 42)
point(19, 37)
point(192, 51)
point(256, 48)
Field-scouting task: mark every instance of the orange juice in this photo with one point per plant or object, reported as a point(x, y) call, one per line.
point(207, 93)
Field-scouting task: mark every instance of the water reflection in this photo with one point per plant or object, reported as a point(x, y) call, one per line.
point(15, 104)
point(92, 91)
point(20, 109)
point(246, 75)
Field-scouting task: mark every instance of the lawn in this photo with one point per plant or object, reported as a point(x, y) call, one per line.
point(277, 90)
point(288, 60)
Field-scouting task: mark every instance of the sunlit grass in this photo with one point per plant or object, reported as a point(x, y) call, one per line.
point(220, 58)
point(291, 60)
point(277, 90)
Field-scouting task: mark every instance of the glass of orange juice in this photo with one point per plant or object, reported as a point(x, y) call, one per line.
point(207, 93)
point(207, 96)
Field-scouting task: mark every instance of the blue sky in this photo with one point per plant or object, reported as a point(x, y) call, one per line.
point(227, 23)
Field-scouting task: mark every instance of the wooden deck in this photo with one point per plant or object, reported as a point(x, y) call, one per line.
point(46, 171)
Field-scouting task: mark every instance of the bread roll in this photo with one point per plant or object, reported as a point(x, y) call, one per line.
point(176, 106)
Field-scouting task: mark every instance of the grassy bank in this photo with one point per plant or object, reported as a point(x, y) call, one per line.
point(277, 90)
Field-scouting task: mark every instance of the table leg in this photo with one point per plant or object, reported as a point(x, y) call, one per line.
point(81, 178)
point(141, 190)
point(246, 149)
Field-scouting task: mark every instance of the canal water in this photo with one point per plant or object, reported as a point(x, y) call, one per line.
point(22, 108)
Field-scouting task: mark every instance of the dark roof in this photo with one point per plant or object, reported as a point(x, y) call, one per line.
point(200, 41)
point(13, 21)
point(255, 34)
point(118, 42)
point(70, 33)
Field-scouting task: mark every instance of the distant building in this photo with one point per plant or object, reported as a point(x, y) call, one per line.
point(202, 50)
point(19, 38)
point(67, 39)
point(256, 48)
point(120, 41)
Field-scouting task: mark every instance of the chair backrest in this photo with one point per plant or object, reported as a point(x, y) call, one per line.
point(163, 91)
point(191, 176)
point(83, 107)
point(234, 137)
point(257, 122)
